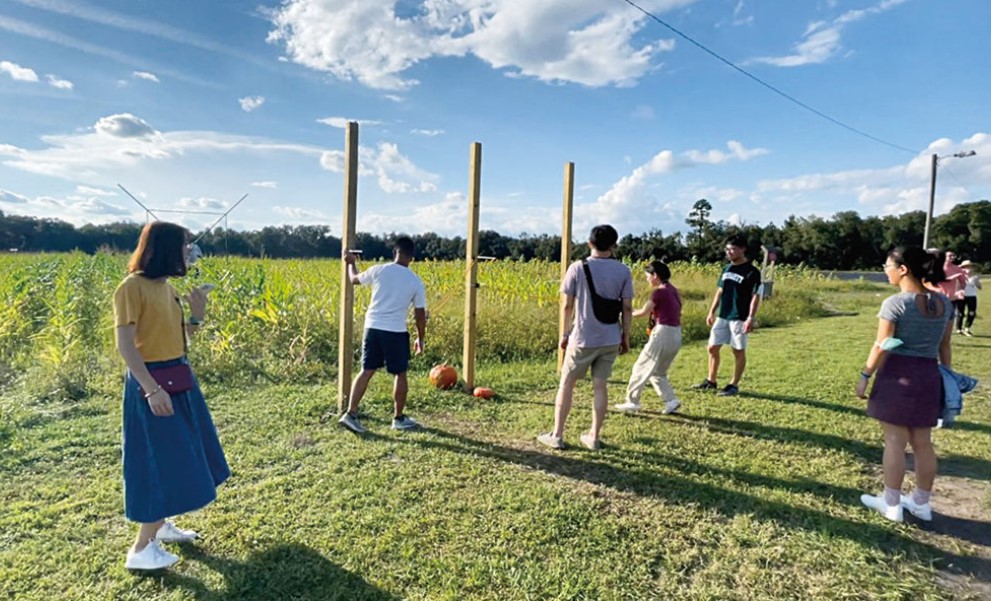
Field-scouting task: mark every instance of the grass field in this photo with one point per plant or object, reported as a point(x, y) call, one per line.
point(754, 497)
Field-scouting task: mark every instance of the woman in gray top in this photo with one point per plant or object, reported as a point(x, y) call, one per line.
point(907, 391)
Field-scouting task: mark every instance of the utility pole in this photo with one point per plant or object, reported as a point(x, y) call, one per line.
point(932, 201)
point(932, 191)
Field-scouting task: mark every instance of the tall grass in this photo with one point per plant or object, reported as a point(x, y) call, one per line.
point(277, 320)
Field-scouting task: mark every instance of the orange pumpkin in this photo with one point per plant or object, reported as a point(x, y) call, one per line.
point(484, 393)
point(443, 376)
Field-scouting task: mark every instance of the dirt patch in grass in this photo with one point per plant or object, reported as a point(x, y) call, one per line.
point(962, 516)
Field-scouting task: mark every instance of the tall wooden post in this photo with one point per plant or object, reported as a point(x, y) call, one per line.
point(471, 263)
point(345, 357)
point(569, 198)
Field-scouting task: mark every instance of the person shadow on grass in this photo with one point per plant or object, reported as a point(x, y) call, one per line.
point(289, 572)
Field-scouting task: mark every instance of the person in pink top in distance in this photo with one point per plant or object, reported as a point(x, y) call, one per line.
point(953, 286)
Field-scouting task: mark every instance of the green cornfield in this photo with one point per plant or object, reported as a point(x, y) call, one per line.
point(277, 320)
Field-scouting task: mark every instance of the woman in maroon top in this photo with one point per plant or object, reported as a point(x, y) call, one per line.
point(663, 343)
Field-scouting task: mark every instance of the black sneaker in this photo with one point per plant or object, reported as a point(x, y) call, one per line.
point(728, 390)
point(705, 385)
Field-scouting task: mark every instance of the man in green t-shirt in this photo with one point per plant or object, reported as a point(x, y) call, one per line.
point(736, 300)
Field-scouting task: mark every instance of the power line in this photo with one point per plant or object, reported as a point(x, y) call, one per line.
point(777, 91)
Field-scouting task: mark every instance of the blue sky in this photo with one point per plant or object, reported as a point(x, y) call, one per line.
point(190, 104)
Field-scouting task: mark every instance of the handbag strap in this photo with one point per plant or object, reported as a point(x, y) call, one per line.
point(182, 323)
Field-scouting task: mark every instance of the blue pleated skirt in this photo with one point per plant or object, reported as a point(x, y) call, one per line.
point(172, 465)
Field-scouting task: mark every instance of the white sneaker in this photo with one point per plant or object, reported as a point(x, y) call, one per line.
point(404, 423)
point(627, 407)
point(549, 440)
point(169, 533)
point(671, 406)
point(589, 442)
point(924, 512)
point(152, 557)
point(877, 503)
point(351, 423)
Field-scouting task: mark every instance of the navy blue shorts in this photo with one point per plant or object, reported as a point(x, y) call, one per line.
point(390, 349)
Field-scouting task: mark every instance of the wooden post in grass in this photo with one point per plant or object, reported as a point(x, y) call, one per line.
point(345, 352)
point(471, 264)
point(569, 197)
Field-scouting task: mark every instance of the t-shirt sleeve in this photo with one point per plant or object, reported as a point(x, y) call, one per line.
point(627, 292)
point(569, 285)
point(891, 309)
point(755, 279)
point(370, 275)
point(420, 296)
point(127, 304)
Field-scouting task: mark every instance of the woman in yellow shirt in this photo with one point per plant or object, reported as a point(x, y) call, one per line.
point(173, 461)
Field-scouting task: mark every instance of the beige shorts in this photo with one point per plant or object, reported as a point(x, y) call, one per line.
point(600, 358)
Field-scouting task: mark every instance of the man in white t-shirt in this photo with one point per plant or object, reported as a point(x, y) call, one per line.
point(386, 340)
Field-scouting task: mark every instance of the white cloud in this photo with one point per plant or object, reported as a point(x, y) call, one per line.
point(895, 189)
point(61, 84)
point(446, 217)
point(90, 191)
point(203, 204)
point(717, 157)
point(398, 175)
point(342, 122)
point(738, 18)
point(427, 132)
point(145, 76)
point(10, 150)
point(300, 214)
point(12, 197)
point(269, 185)
point(250, 103)
point(76, 209)
point(23, 28)
point(78, 9)
point(124, 140)
point(17, 72)
point(124, 125)
point(822, 40)
point(577, 41)
point(713, 193)
point(394, 172)
point(628, 203)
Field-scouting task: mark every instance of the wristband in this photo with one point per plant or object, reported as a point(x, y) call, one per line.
point(865, 375)
point(153, 392)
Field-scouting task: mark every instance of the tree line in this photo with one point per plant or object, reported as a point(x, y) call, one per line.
point(844, 241)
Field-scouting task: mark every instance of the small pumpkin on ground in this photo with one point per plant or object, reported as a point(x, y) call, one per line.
point(443, 376)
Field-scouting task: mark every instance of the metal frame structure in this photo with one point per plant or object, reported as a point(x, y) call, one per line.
point(150, 213)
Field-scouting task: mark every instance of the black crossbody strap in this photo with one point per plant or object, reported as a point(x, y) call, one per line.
point(588, 277)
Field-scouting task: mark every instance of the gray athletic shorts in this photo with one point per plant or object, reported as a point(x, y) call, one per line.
point(728, 331)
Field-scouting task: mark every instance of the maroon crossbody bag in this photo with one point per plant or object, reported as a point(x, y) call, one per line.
point(175, 378)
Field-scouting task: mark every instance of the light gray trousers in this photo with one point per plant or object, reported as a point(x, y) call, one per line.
point(653, 363)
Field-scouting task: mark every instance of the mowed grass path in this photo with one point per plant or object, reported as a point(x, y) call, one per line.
point(753, 497)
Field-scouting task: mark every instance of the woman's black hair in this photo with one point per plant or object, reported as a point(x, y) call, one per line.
point(924, 266)
point(161, 251)
point(662, 271)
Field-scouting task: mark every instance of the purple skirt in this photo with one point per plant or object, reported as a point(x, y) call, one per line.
point(907, 392)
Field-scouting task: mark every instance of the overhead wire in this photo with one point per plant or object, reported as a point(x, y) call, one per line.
point(767, 85)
